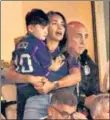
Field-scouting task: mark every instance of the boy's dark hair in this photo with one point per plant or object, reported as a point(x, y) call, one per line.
point(63, 96)
point(62, 43)
point(36, 16)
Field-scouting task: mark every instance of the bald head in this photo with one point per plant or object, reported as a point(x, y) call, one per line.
point(75, 24)
point(77, 35)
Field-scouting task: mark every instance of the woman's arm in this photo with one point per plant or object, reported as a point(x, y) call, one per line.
point(72, 79)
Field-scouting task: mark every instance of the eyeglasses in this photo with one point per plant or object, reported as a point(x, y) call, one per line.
point(65, 114)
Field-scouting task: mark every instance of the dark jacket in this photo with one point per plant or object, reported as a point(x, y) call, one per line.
point(90, 78)
point(89, 83)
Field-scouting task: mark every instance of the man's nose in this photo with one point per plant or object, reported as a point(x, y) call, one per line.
point(82, 40)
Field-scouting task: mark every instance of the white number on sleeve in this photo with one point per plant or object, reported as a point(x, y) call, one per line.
point(21, 63)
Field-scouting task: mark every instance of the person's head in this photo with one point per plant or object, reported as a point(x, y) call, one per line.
point(100, 107)
point(37, 23)
point(63, 105)
point(57, 27)
point(77, 35)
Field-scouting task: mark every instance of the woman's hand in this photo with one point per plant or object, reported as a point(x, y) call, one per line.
point(56, 64)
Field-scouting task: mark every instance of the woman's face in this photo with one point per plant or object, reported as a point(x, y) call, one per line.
point(56, 28)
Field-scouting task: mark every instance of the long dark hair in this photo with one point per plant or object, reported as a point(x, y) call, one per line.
point(62, 43)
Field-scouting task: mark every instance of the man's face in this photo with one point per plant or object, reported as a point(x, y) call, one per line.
point(56, 28)
point(61, 112)
point(77, 36)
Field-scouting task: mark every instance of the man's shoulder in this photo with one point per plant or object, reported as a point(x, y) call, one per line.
point(91, 62)
point(86, 59)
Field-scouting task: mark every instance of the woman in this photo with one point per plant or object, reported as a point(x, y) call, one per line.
point(55, 42)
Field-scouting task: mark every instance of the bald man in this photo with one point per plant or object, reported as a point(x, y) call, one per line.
point(77, 37)
point(89, 86)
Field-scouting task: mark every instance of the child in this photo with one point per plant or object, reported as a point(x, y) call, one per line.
point(31, 55)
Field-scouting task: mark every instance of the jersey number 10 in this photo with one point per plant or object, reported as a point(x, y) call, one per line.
point(20, 63)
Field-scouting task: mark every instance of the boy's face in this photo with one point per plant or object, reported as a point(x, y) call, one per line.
point(39, 31)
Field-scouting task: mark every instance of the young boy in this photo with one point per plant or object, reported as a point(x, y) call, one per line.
point(31, 55)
